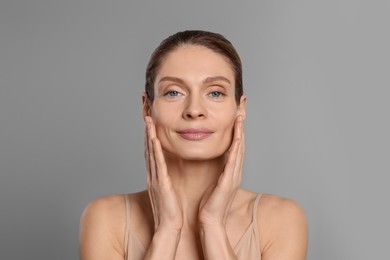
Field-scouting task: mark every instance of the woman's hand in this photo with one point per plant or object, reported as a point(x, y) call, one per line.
point(216, 202)
point(167, 211)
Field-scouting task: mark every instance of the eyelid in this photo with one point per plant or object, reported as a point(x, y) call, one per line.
point(221, 84)
point(170, 87)
point(217, 88)
point(222, 87)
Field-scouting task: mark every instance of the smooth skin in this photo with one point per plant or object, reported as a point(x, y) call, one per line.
point(194, 207)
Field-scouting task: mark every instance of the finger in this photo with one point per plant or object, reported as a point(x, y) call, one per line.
point(236, 133)
point(243, 136)
point(153, 206)
point(243, 149)
point(152, 161)
point(146, 154)
point(236, 128)
point(235, 154)
point(161, 166)
point(240, 154)
point(152, 135)
point(152, 127)
point(230, 165)
point(238, 165)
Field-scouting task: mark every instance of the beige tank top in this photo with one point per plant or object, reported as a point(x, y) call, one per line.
point(247, 247)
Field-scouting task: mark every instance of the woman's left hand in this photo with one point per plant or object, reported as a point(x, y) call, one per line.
point(216, 202)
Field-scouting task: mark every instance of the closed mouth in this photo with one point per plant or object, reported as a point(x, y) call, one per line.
point(195, 133)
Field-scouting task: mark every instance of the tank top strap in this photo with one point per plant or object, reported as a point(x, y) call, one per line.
point(127, 224)
point(254, 210)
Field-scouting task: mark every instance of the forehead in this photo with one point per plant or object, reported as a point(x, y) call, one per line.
point(192, 61)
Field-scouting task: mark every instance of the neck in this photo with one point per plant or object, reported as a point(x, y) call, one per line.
point(191, 179)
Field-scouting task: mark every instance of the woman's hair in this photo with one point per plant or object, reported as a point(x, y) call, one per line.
point(210, 40)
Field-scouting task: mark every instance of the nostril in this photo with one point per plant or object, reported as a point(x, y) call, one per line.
point(193, 111)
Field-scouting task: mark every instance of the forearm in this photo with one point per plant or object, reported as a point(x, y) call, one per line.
point(215, 243)
point(164, 245)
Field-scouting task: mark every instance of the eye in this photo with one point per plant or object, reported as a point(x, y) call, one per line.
point(172, 93)
point(216, 94)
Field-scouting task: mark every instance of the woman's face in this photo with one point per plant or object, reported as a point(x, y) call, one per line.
point(194, 107)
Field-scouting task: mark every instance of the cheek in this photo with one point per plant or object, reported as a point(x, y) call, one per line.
point(230, 132)
point(228, 128)
point(160, 117)
point(229, 120)
point(161, 128)
point(163, 123)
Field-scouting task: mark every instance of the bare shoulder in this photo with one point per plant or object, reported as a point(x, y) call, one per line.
point(110, 210)
point(100, 205)
point(105, 210)
point(282, 208)
point(283, 228)
point(102, 226)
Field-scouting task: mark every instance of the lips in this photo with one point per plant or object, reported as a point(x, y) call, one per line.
point(195, 134)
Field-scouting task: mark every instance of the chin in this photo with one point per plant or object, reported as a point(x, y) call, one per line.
point(198, 157)
point(196, 153)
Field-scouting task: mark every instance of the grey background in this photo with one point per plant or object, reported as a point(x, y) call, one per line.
point(317, 78)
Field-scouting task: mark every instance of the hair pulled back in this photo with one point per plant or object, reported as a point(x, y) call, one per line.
point(213, 41)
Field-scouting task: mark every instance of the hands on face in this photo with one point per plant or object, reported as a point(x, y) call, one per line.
point(167, 211)
point(216, 202)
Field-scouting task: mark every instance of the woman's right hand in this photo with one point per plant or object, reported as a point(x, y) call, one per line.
point(167, 210)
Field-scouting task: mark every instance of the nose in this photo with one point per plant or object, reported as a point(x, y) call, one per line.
point(194, 108)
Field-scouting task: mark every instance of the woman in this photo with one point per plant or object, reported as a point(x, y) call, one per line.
point(193, 208)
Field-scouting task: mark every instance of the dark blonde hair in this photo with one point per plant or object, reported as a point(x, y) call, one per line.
point(213, 41)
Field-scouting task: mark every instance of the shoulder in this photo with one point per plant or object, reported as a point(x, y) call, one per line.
point(104, 209)
point(106, 201)
point(102, 226)
point(282, 226)
point(282, 208)
point(112, 207)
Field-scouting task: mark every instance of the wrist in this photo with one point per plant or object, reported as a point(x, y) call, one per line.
point(212, 229)
point(166, 234)
point(212, 225)
point(166, 231)
point(164, 244)
point(215, 242)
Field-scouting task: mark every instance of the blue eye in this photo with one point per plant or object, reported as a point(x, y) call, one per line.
point(215, 94)
point(172, 93)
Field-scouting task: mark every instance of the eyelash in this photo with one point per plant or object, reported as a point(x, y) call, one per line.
point(220, 94)
point(168, 93)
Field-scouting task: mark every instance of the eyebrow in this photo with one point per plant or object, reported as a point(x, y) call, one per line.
point(206, 80)
point(216, 78)
point(173, 79)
